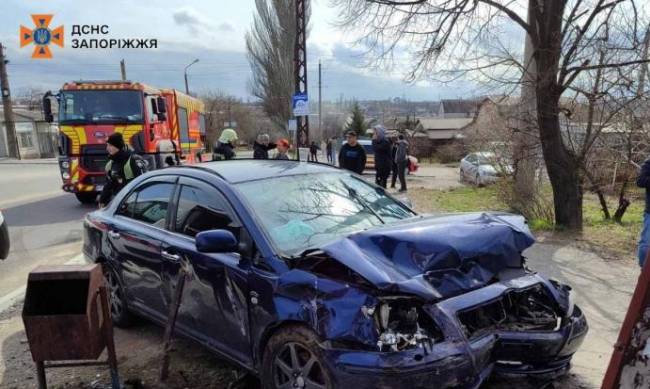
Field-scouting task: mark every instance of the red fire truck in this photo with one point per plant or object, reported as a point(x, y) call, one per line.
point(156, 123)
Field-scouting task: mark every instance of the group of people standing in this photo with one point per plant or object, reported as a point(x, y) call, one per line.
point(391, 156)
point(263, 144)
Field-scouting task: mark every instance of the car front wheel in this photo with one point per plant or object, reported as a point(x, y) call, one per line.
point(292, 359)
point(119, 311)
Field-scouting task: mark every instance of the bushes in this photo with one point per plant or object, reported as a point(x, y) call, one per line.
point(451, 152)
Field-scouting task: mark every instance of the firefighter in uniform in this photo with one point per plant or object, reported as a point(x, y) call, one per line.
point(122, 167)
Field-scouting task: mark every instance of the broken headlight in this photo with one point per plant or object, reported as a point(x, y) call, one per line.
point(402, 324)
point(567, 297)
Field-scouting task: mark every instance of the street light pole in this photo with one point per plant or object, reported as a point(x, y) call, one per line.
point(187, 88)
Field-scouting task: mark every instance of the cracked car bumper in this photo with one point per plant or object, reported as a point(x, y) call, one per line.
point(541, 354)
point(446, 365)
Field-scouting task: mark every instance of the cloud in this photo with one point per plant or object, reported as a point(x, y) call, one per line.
point(196, 23)
point(226, 27)
point(349, 56)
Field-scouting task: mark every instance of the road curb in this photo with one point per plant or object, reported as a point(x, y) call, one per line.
point(11, 298)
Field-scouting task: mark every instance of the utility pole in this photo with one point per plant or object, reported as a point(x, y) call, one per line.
point(123, 69)
point(320, 100)
point(10, 125)
point(300, 70)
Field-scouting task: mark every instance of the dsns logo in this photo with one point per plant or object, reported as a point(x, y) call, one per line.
point(41, 36)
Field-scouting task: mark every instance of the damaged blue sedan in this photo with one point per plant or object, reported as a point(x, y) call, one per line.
point(309, 277)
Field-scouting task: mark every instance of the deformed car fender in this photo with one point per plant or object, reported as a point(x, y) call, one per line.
point(332, 309)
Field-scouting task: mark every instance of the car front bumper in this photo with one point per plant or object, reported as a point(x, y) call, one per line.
point(458, 362)
point(447, 366)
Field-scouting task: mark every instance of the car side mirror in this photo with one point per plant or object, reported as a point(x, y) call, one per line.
point(216, 241)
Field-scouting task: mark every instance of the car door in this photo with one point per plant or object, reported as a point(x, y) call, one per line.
point(136, 235)
point(471, 169)
point(214, 306)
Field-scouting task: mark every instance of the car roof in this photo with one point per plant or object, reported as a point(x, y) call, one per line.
point(242, 170)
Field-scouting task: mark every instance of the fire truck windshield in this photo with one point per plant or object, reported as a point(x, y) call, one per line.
point(100, 107)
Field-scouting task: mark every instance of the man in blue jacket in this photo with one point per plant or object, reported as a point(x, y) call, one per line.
point(643, 181)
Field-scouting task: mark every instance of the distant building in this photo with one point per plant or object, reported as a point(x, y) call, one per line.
point(36, 137)
point(460, 108)
point(443, 130)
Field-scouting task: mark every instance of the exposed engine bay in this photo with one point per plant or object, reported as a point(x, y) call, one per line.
point(402, 324)
point(532, 309)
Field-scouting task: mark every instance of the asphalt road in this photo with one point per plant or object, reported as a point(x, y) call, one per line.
point(44, 222)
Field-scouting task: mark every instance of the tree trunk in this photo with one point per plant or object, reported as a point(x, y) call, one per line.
point(524, 139)
point(563, 170)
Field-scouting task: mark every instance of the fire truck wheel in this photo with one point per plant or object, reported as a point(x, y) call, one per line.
point(87, 197)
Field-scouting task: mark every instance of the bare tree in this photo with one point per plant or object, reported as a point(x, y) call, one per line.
point(454, 38)
point(224, 111)
point(270, 46)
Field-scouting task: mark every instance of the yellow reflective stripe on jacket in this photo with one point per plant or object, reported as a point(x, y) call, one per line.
point(128, 170)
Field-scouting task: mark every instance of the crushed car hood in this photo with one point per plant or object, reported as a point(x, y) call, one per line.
point(436, 257)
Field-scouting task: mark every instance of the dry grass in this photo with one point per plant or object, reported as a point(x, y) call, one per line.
point(616, 240)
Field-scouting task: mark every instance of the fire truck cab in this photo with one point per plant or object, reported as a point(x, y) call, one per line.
point(156, 124)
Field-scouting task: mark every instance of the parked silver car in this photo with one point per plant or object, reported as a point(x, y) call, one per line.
point(4, 238)
point(482, 168)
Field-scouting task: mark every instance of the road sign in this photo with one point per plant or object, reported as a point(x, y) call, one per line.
point(300, 104)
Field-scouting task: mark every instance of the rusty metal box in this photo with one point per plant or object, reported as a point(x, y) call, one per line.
point(62, 313)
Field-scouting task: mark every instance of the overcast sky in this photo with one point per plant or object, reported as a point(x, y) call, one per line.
point(210, 30)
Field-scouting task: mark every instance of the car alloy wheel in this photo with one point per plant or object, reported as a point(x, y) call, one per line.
point(119, 312)
point(297, 367)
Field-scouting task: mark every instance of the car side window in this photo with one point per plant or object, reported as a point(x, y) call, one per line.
point(128, 205)
point(202, 210)
point(152, 202)
point(471, 158)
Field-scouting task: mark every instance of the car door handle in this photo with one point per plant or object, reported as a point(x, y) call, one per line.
point(170, 257)
point(114, 235)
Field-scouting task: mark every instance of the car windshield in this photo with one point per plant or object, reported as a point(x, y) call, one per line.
point(100, 106)
point(485, 159)
point(302, 212)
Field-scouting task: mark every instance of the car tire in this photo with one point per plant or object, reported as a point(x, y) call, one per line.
point(119, 310)
point(292, 357)
point(461, 177)
point(477, 181)
point(4, 240)
point(87, 197)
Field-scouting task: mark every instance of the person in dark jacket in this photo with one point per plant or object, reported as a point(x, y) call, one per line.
point(262, 146)
point(643, 181)
point(225, 146)
point(313, 152)
point(401, 160)
point(122, 167)
point(352, 156)
point(328, 151)
point(393, 165)
point(382, 149)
